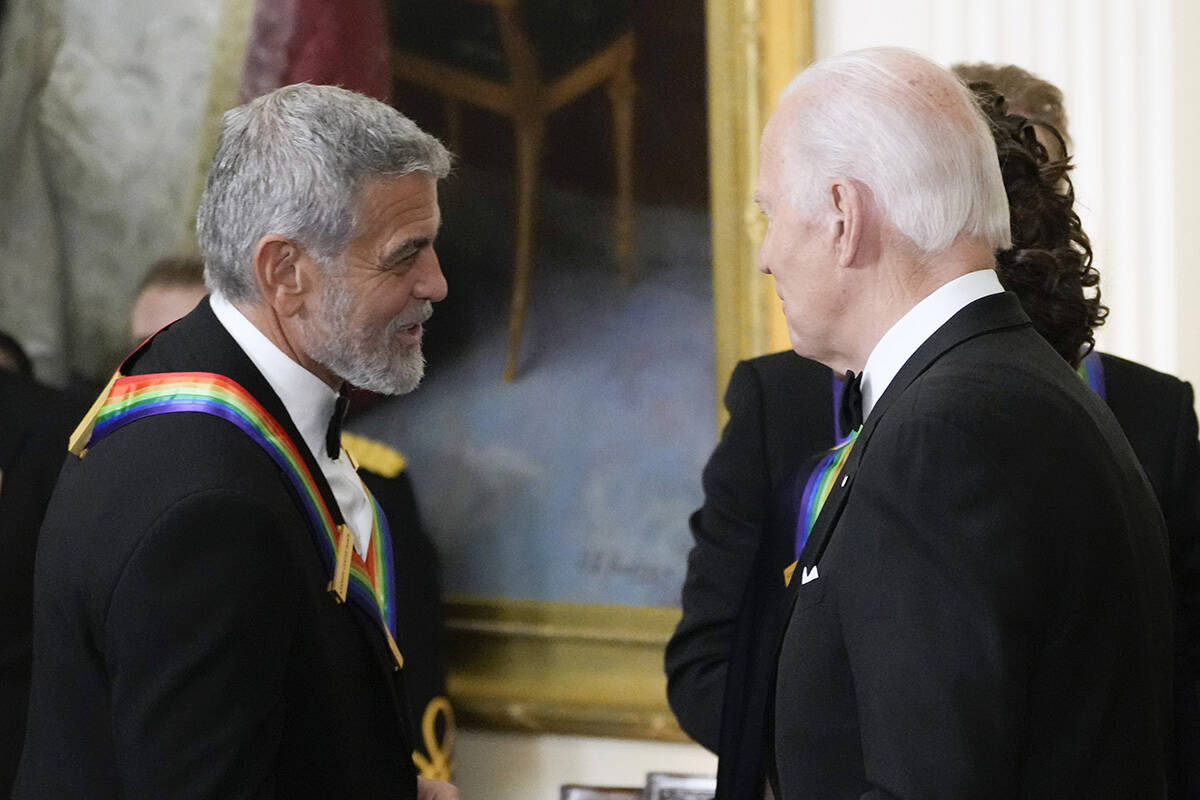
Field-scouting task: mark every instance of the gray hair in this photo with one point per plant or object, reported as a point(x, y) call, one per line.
point(883, 117)
point(292, 163)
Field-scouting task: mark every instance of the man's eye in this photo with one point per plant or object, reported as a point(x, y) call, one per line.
point(400, 262)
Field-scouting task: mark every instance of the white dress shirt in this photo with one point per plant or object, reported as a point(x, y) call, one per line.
point(309, 402)
point(921, 321)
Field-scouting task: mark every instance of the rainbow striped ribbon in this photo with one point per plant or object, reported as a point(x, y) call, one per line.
point(367, 583)
point(829, 466)
point(1091, 369)
point(817, 487)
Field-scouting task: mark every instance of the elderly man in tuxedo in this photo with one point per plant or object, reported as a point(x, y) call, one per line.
point(215, 603)
point(981, 603)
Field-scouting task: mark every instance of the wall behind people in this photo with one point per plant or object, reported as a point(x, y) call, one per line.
point(1124, 86)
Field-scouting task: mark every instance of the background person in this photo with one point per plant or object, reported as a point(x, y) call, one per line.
point(170, 289)
point(35, 422)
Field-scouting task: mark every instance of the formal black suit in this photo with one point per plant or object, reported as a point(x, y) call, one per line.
point(184, 641)
point(989, 613)
point(779, 405)
point(35, 422)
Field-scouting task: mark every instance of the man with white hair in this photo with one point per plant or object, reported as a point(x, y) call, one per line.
point(215, 601)
point(981, 603)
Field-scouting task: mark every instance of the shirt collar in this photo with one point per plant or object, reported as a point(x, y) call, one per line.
point(911, 330)
point(307, 399)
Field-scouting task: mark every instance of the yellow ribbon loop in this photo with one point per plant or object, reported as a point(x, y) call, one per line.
point(439, 765)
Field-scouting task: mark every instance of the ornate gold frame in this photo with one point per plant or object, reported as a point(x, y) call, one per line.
point(755, 47)
point(560, 667)
point(591, 669)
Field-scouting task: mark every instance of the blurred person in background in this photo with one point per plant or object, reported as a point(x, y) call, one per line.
point(35, 423)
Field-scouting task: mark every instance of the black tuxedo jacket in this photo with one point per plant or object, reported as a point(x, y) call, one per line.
point(184, 641)
point(985, 607)
point(780, 415)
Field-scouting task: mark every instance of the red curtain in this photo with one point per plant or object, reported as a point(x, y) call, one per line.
point(343, 43)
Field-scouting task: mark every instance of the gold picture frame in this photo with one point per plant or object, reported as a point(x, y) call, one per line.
point(596, 669)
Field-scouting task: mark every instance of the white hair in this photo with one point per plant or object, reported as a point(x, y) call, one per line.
point(292, 163)
point(884, 117)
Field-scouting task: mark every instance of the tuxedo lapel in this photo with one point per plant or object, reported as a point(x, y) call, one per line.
point(991, 313)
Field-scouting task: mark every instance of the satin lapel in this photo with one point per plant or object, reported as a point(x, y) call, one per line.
point(991, 313)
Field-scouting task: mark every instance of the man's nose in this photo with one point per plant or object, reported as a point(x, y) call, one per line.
point(432, 285)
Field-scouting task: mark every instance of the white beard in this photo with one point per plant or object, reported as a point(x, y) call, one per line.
point(368, 358)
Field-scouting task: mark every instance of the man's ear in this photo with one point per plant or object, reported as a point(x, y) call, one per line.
point(284, 274)
point(850, 208)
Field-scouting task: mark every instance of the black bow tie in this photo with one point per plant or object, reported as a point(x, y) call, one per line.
point(333, 436)
point(850, 410)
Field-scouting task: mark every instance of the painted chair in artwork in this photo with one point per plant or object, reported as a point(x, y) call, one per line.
point(525, 59)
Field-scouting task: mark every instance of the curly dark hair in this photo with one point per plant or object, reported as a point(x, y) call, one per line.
point(1049, 266)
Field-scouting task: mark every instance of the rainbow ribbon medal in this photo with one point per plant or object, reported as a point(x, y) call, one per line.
point(369, 583)
point(817, 488)
point(820, 481)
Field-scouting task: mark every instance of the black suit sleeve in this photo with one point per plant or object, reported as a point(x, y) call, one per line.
point(1181, 509)
point(35, 423)
point(942, 573)
point(200, 713)
point(727, 530)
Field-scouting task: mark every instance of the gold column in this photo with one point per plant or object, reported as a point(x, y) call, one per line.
point(755, 47)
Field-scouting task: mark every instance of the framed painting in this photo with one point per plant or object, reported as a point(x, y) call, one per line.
point(559, 500)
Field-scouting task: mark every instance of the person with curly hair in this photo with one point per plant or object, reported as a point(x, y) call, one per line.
point(784, 412)
point(1036, 99)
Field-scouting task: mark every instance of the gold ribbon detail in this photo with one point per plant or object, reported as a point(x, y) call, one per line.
point(340, 582)
point(439, 764)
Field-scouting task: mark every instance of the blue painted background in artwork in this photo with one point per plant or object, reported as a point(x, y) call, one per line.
point(574, 483)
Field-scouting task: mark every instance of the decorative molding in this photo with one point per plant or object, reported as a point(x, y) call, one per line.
point(561, 667)
point(755, 47)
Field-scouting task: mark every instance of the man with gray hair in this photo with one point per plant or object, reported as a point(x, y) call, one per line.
point(215, 605)
point(980, 605)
